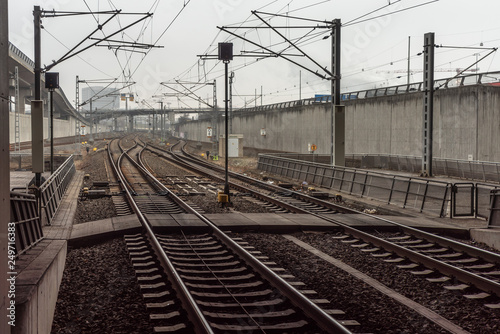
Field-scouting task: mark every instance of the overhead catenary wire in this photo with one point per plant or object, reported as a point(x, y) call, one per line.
point(163, 33)
point(371, 12)
point(212, 72)
point(82, 59)
point(397, 11)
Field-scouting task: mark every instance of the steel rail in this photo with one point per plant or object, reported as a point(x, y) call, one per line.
point(254, 193)
point(259, 195)
point(195, 315)
point(429, 262)
point(321, 318)
point(455, 245)
point(268, 186)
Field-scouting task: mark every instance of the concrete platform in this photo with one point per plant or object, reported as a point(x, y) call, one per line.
point(40, 273)
point(62, 223)
point(239, 222)
point(175, 222)
point(437, 225)
point(86, 233)
point(488, 236)
point(276, 223)
point(21, 179)
point(235, 222)
point(40, 269)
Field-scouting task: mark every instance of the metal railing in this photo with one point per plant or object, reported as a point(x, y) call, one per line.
point(467, 199)
point(494, 218)
point(53, 189)
point(463, 80)
point(464, 169)
point(421, 194)
point(482, 199)
point(25, 215)
point(21, 56)
point(483, 171)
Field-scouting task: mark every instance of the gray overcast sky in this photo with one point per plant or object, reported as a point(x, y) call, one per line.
point(374, 52)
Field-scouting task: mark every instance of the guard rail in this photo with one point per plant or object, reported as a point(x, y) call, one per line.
point(494, 219)
point(53, 189)
point(421, 194)
point(25, 215)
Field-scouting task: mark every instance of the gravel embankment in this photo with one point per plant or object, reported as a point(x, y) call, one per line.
point(377, 313)
point(99, 293)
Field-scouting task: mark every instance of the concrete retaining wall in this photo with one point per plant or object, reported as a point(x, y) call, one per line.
point(62, 128)
point(466, 122)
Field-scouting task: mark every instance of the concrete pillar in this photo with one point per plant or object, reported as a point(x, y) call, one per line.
point(23, 92)
point(5, 301)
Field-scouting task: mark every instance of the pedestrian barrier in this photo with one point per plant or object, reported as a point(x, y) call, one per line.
point(462, 80)
point(484, 171)
point(456, 200)
point(421, 194)
point(53, 189)
point(494, 218)
point(28, 226)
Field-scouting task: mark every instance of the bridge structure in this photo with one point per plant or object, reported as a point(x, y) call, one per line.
point(21, 83)
point(21, 87)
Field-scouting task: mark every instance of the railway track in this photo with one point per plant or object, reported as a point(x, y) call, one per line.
point(283, 200)
point(220, 286)
point(474, 271)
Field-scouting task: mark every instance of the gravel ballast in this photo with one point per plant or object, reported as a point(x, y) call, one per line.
point(94, 165)
point(208, 203)
point(99, 293)
point(376, 312)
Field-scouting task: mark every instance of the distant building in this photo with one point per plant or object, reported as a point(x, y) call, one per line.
point(109, 102)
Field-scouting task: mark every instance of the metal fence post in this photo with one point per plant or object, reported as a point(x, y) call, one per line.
point(407, 193)
point(424, 196)
point(392, 188)
point(444, 200)
point(364, 184)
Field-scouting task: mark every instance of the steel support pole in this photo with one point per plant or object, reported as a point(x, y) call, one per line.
point(77, 94)
point(408, 76)
point(427, 126)
point(231, 78)
point(161, 119)
point(37, 17)
point(163, 124)
point(91, 135)
point(226, 121)
point(17, 134)
point(337, 149)
point(215, 119)
point(77, 107)
point(51, 131)
point(154, 124)
point(5, 302)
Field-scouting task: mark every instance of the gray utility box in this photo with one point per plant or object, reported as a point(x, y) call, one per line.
point(235, 144)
